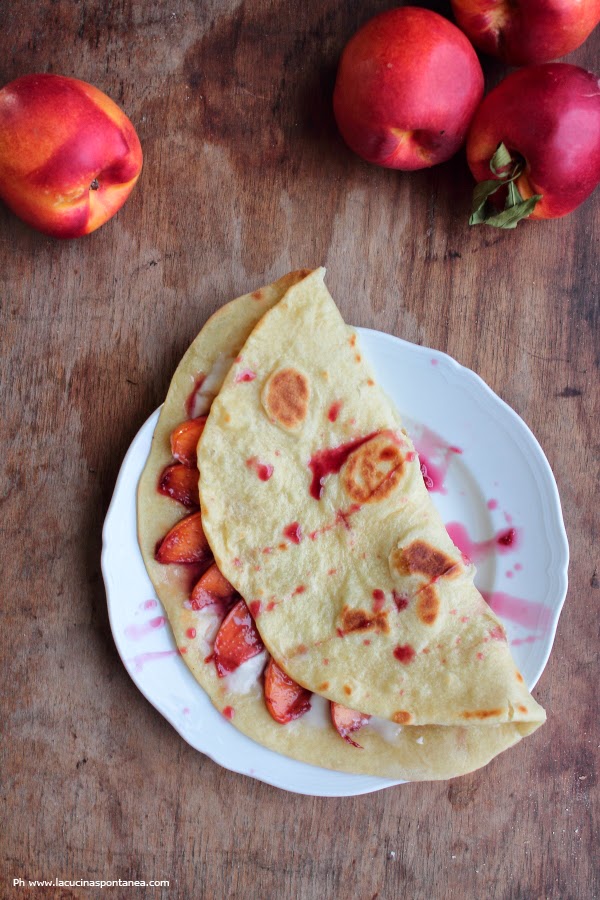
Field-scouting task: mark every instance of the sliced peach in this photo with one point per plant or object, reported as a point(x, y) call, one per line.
point(237, 640)
point(347, 721)
point(184, 440)
point(181, 483)
point(285, 698)
point(212, 589)
point(184, 543)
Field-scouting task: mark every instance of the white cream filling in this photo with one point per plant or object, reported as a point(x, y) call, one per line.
point(387, 730)
point(211, 385)
point(243, 679)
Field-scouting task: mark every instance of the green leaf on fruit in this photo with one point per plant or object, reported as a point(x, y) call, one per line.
point(512, 215)
point(507, 170)
point(500, 160)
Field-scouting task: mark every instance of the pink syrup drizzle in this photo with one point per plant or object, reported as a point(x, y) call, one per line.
point(148, 604)
point(435, 457)
point(142, 658)
point(504, 541)
point(527, 613)
point(137, 632)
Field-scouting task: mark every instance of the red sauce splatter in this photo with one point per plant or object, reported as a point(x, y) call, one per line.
point(366, 642)
point(503, 542)
point(254, 607)
point(245, 375)
point(271, 605)
point(492, 504)
point(330, 461)
point(410, 456)
point(137, 632)
point(480, 656)
point(229, 712)
point(400, 601)
point(238, 359)
point(191, 633)
point(404, 654)
point(325, 662)
point(193, 402)
point(334, 410)
point(209, 658)
point(507, 538)
point(433, 477)
point(300, 589)
point(142, 658)
point(237, 562)
point(182, 650)
point(527, 613)
point(263, 470)
point(293, 532)
point(340, 633)
point(378, 600)
point(431, 446)
point(332, 571)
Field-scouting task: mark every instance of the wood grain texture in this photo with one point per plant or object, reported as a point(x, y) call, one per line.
point(246, 178)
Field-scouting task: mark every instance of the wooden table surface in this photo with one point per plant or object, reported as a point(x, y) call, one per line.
point(246, 178)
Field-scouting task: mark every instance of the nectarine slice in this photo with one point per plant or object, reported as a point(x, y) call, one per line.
point(237, 640)
point(184, 440)
point(184, 543)
point(347, 721)
point(212, 589)
point(285, 698)
point(180, 483)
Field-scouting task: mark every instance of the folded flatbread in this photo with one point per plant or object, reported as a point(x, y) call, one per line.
point(315, 509)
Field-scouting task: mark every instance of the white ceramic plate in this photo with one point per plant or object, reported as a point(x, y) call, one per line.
point(493, 487)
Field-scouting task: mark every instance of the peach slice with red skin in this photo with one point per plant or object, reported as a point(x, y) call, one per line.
point(237, 640)
point(286, 700)
point(184, 440)
point(180, 483)
point(184, 543)
point(212, 589)
point(347, 721)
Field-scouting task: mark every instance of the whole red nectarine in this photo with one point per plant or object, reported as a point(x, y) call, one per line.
point(69, 156)
point(522, 32)
point(407, 86)
point(548, 119)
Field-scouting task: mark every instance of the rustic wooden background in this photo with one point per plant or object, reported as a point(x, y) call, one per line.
point(246, 178)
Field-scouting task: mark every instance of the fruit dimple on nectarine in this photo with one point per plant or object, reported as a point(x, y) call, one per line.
point(407, 86)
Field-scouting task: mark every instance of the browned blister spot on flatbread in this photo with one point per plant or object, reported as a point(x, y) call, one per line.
point(363, 620)
point(285, 398)
point(324, 686)
point(373, 470)
point(482, 713)
point(257, 295)
point(401, 717)
point(420, 558)
point(347, 690)
point(428, 604)
point(519, 678)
